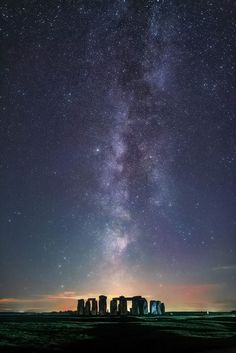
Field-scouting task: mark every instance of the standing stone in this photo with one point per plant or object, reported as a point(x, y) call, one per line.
point(135, 305)
point(80, 307)
point(162, 307)
point(143, 306)
point(87, 310)
point(159, 312)
point(156, 307)
point(94, 310)
point(123, 306)
point(102, 305)
point(153, 307)
point(113, 307)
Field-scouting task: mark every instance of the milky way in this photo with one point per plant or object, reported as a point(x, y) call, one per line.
point(117, 152)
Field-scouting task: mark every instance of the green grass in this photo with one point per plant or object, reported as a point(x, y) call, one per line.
point(35, 333)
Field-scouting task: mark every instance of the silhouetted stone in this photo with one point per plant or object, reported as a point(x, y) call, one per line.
point(155, 307)
point(123, 306)
point(87, 310)
point(94, 306)
point(135, 305)
point(80, 307)
point(162, 307)
point(102, 305)
point(118, 305)
point(94, 310)
point(113, 307)
point(143, 306)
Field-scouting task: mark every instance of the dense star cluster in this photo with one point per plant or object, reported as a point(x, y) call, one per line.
point(117, 152)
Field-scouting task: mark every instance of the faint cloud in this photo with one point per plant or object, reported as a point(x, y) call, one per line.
point(8, 300)
point(224, 268)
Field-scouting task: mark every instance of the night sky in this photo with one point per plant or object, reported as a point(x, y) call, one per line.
point(117, 149)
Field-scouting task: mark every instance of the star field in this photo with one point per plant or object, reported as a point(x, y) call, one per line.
point(117, 150)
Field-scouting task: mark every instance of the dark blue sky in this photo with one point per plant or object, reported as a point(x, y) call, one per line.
point(117, 152)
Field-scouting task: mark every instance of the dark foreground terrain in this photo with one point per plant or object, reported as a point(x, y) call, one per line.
point(55, 333)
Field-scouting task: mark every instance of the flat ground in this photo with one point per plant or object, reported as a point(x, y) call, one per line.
point(55, 333)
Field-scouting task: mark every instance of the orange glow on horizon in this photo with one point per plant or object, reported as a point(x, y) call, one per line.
point(177, 297)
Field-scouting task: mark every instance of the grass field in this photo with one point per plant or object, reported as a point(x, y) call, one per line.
point(55, 333)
